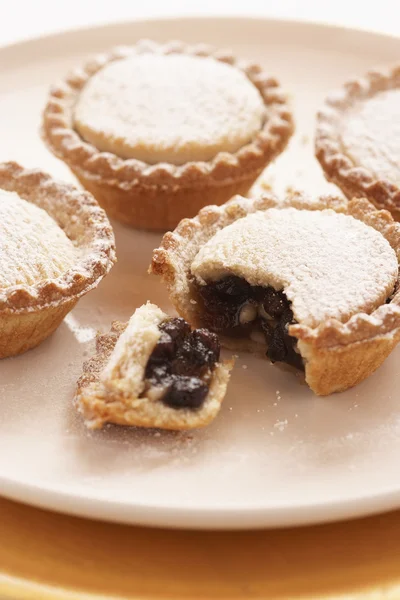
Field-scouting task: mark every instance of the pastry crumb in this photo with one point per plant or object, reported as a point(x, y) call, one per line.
point(265, 185)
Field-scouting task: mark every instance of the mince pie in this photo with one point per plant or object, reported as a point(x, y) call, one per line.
point(56, 244)
point(153, 371)
point(156, 132)
point(358, 138)
point(312, 283)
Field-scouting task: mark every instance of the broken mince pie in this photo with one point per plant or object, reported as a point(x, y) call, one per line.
point(312, 282)
point(156, 132)
point(56, 244)
point(358, 138)
point(153, 371)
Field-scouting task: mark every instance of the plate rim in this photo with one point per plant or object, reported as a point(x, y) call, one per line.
point(193, 518)
point(249, 18)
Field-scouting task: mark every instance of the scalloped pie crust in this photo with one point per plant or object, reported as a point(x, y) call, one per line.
point(156, 132)
point(112, 387)
point(358, 138)
point(56, 244)
point(336, 261)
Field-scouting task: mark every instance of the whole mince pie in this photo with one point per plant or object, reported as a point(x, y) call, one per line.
point(154, 371)
point(358, 138)
point(156, 132)
point(56, 244)
point(310, 282)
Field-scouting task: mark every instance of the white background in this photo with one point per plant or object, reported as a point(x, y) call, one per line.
point(21, 19)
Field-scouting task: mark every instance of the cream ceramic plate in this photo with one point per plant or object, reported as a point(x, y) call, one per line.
point(277, 454)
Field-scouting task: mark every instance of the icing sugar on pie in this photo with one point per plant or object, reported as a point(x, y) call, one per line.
point(32, 246)
point(307, 254)
point(371, 135)
point(358, 138)
point(173, 109)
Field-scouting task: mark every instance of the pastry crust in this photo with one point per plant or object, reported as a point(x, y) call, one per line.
point(171, 108)
point(157, 197)
point(337, 355)
point(30, 313)
point(102, 399)
point(285, 248)
point(355, 180)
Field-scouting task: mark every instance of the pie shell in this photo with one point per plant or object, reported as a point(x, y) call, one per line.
point(30, 313)
point(156, 197)
point(337, 355)
point(98, 407)
point(353, 179)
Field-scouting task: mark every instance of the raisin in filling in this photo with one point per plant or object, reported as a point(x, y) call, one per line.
point(182, 363)
point(235, 308)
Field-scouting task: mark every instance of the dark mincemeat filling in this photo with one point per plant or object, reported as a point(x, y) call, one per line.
point(182, 363)
point(233, 307)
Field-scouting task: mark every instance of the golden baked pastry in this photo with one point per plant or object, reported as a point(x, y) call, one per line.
point(156, 132)
point(313, 282)
point(56, 244)
point(153, 372)
point(358, 138)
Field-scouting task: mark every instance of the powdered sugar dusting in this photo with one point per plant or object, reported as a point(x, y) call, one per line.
point(281, 425)
point(329, 264)
point(174, 109)
point(376, 120)
point(33, 247)
point(82, 334)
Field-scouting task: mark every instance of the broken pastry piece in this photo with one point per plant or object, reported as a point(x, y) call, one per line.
point(313, 283)
point(153, 371)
